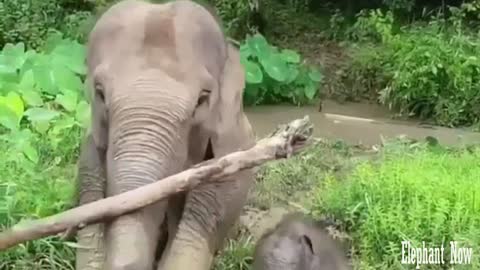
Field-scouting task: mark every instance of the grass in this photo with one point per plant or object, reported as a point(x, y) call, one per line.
point(29, 191)
point(417, 194)
point(404, 191)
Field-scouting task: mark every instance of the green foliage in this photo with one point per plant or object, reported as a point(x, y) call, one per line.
point(43, 114)
point(41, 94)
point(373, 25)
point(416, 193)
point(31, 192)
point(274, 75)
point(434, 75)
point(30, 21)
point(337, 24)
point(428, 71)
point(237, 255)
point(406, 5)
point(237, 16)
point(298, 5)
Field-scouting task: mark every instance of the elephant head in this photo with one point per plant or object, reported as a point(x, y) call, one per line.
point(158, 78)
point(298, 243)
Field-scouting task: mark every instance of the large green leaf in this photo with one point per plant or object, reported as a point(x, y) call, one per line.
point(8, 72)
point(41, 114)
point(67, 79)
point(315, 75)
point(258, 46)
point(15, 103)
point(68, 100)
point(6, 67)
point(83, 114)
point(54, 77)
point(32, 58)
point(14, 54)
point(30, 152)
point(253, 72)
point(8, 118)
point(292, 74)
point(41, 126)
point(27, 82)
point(45, 78)
point(32, 98)
point(245, 51)
point(290, 56)
point(310, 90)
point(275, 67)
point(26, 87)
point(72, 54)
point(52, 41)
point(63, 123)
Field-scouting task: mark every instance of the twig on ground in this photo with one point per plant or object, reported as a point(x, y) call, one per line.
point(283, 143)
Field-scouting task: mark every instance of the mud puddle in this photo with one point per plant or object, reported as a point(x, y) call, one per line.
point(354, 123)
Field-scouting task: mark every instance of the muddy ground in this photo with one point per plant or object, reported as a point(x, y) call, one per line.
point(284, 186)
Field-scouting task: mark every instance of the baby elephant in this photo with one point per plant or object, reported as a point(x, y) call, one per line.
point(297, 243)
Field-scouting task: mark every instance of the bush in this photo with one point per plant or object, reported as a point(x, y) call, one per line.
point(30, 21)
point(41, 93)
point(275, 76)
point(43, 114)
point(428, 71)
point(30, 191)
point(416, 193)
point(237, 16)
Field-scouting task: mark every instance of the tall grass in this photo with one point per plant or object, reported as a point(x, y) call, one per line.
point(416, 195)
point(30, 191)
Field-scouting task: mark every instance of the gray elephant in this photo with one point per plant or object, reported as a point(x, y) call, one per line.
point(298, 243)
point(166, 91)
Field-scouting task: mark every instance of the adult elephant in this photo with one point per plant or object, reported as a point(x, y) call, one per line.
point(166, 94)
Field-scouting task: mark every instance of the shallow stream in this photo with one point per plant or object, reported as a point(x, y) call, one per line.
point(354, 123)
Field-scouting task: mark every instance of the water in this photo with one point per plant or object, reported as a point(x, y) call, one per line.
point(353, 123)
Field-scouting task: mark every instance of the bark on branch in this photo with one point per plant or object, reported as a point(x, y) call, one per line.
point(285, 141)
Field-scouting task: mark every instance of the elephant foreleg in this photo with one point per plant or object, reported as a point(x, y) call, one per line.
point(210, 211)
point(91, 187)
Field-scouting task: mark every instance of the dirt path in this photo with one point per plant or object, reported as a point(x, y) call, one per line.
point(354, 123)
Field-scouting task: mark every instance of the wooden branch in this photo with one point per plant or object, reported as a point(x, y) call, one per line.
point(284, 142)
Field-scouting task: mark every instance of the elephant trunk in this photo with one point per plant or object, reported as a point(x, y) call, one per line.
point(147, 143)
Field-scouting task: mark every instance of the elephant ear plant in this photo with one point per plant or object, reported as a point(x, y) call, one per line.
point(166, 92)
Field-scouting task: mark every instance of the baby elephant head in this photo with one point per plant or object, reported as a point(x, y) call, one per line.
point(298, 244)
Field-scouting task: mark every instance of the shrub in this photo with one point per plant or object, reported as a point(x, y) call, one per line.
point(371, 25)
point(428, 71)
point(275, 76)
point(30, 191)
point(30, 21)
point(43, 114)
point(416, 193)
point(237, 16)
point(434, 75)
point(41, 93)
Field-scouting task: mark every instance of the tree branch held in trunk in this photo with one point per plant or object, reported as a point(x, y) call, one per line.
point(285, 141)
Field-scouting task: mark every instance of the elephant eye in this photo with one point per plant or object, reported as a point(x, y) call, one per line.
point(204, 95)
point(99, 92)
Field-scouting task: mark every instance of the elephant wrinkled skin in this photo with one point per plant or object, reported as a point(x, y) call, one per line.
point(166, 93)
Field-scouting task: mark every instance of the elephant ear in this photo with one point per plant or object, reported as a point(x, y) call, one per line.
point(230, 127)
